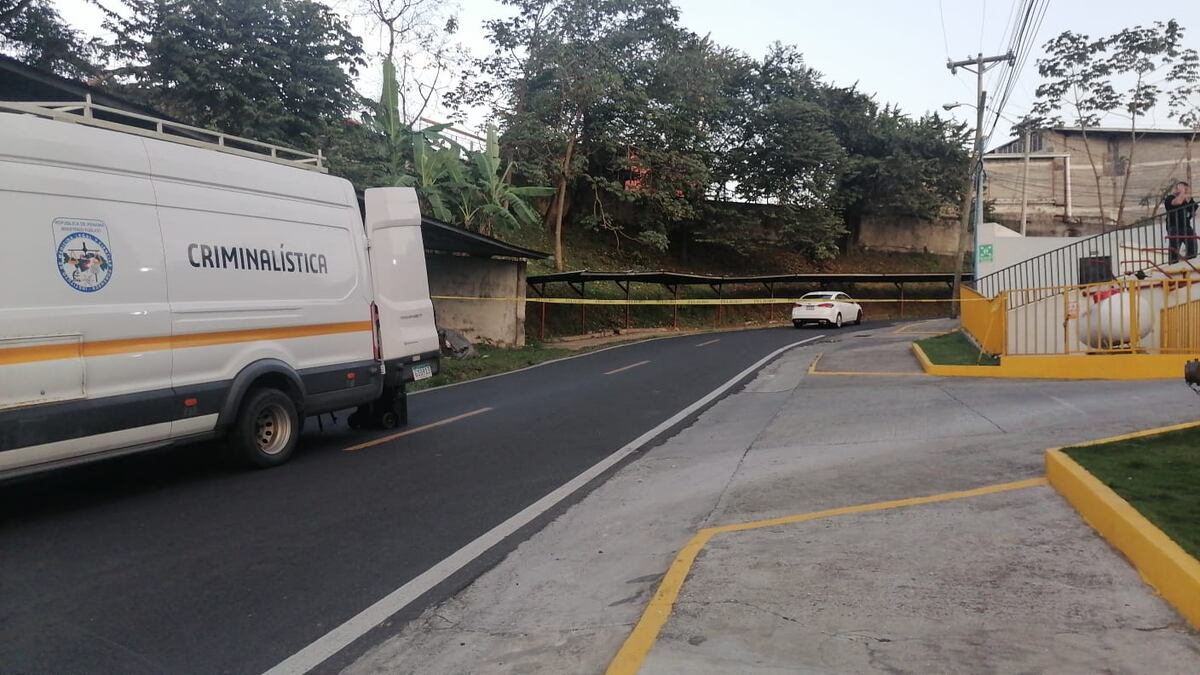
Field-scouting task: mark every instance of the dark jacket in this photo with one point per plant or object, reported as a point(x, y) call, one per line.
point(1179, 217)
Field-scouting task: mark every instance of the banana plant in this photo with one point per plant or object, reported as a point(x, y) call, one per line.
point(501, 202)
point(474, 193)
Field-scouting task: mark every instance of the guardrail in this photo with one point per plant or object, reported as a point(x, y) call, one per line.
point(1142, 246)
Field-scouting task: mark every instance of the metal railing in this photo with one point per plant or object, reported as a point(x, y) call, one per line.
point(1139, 247)
point(1126, 316)
point(115, 119)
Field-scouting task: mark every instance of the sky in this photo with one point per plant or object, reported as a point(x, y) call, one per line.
point(896, 50)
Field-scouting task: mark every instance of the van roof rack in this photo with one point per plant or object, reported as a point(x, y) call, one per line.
point(115, 119)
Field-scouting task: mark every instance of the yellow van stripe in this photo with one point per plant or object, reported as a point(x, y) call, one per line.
point(15, 355)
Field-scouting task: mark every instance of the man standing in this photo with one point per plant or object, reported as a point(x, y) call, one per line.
point(1180, 209)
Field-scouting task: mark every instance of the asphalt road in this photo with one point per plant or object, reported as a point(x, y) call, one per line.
point(174, 562)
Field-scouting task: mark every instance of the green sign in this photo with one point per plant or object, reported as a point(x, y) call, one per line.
point(985, 253)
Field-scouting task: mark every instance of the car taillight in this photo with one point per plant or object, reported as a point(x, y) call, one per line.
point(826, 305)
point(376, 339)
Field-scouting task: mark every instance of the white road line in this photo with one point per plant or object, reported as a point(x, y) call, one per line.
point(337, 639)
point(415, 430)
point(705, 344)
point(624, 368)
point(631, 343)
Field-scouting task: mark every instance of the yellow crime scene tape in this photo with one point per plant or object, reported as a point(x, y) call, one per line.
point(683, 301)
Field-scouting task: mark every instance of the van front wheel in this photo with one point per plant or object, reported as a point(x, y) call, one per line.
point(267, 428)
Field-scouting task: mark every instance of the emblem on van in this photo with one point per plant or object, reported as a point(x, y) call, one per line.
point(84, 259)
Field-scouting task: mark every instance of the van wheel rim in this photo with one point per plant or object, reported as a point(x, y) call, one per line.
point(272, 429)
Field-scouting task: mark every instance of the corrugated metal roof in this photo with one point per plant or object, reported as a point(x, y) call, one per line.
point(441, 237)
point(678, 278)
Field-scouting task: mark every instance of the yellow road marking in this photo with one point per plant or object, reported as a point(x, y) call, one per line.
point(705, 344)
point(639, 643)
point(414, 430)
point(812, 370)
point(624, 368)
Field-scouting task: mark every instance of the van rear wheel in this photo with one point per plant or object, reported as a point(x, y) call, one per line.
point(267, 428)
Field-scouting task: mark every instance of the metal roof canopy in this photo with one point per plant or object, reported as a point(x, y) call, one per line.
point(440, 237)
point(681, 279)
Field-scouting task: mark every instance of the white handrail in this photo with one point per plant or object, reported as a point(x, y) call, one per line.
point(77, 112)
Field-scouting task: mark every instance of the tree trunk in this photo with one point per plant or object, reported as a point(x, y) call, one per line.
point(1087, 147)
point(1128, 171)
point(562, 203)
point(1191, 139)
point(559, 263)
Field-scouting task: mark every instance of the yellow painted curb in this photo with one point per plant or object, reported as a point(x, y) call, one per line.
point(1069, 367)
point(1162, 564)
point(932, 368)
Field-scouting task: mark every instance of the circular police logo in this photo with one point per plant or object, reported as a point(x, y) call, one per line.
point(84, 261)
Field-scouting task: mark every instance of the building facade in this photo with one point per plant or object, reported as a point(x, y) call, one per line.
point(1072, 184)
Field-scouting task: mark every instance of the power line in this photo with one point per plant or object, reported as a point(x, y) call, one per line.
point(945, 39)
point(982, 22)
point(1024, 38)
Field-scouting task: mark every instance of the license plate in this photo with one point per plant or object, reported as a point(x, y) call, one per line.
point(423, 371)
point(810, 307)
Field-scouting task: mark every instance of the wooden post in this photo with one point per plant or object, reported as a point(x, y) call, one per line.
point(627, 324)
point(771, 307)
point(542, 329)
point(583, 309)
point(720, 307)
point(675, 308)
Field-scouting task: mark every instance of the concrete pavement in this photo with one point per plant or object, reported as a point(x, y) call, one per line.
point(1010, 582)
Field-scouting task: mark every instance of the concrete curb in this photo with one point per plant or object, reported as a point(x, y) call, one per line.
point(1076, 367)
point(1162, 563)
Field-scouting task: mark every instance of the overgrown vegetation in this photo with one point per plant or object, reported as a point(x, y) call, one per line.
point(955, 349)
point(612, 117)
point(1117, 80)
point(1158, 475)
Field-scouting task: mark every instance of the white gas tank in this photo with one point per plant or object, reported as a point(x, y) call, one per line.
point(1106, 321)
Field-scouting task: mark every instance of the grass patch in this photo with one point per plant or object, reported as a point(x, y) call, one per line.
point(1158, 475)
point(491, 361)
point(955, 349)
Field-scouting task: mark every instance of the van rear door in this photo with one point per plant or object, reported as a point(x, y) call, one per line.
point(406, 322)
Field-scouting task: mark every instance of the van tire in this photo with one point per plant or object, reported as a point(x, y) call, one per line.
point(267, 428)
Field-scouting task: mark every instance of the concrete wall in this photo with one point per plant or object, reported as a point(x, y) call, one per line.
point(495, 321)
point(909, 234)
point(1010, 248)
point(1157, 161)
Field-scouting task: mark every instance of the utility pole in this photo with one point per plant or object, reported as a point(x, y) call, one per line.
point(1025, 180)
point(980, 65)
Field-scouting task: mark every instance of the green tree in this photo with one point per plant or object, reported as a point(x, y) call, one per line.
point(33, 32)
point(276, 70)
point(895, 165)
point(455, 185)
point(557, 62)
point(1091, 80)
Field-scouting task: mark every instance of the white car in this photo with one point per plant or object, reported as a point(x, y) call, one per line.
point(827, 308)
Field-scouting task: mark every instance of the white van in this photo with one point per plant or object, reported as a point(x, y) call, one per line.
point(154, 292)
